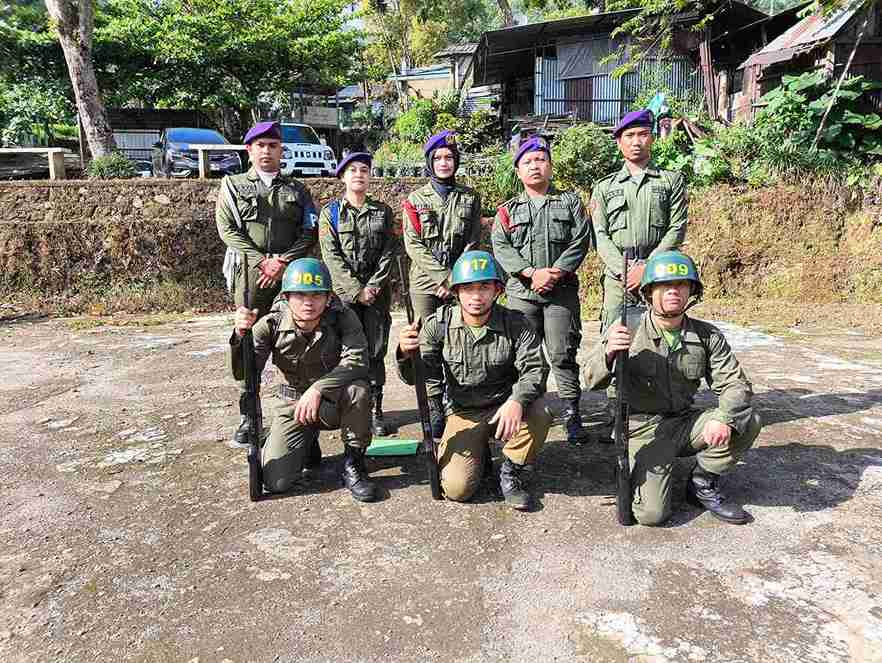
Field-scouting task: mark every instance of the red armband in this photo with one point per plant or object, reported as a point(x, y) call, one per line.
point(411, 212)
point(504, 218)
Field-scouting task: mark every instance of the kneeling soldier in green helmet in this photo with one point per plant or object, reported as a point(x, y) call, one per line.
point(320, 348)
point(491, 360)
point(358, 245)
point(669, 353)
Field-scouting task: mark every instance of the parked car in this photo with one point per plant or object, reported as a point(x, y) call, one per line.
point(304, 153)
point(172, 156)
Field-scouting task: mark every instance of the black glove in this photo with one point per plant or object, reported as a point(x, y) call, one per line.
point(436, 416)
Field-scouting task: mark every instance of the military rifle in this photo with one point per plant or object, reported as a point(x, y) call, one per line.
point(252, 400)
point(621, 432)
point(419, 380)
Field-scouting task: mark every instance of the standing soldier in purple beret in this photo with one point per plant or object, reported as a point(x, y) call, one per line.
point(442, 219)
point(269, 218)
point(541, 238)
point(359, 245)
point(639, 208)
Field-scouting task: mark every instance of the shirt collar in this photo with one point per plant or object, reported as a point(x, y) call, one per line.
point(625, 174)
point(687, 329)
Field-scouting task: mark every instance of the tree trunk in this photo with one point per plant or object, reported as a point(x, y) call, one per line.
point(75, 22)
point(507, 15)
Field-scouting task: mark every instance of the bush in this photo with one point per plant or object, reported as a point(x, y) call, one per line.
point(582, 155)
point(113, 166)
point(416, 123)
point(499, 184)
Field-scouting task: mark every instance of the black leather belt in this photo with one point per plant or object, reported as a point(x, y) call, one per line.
point(289, 393)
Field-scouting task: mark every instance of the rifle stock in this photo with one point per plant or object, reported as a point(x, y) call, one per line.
point(419, 380)
point(252, 396)
point(623, 467)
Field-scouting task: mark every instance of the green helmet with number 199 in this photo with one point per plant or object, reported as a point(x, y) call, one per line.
point(474, 266)
point(671, 266)
point(306, 275)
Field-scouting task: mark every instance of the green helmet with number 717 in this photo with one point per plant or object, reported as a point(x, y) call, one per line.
point(306, 275)
point(671, 266)
point(474, 266)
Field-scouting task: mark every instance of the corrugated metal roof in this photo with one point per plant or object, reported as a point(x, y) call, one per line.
point(457, 49)
point(809, 33)
point(433, 71)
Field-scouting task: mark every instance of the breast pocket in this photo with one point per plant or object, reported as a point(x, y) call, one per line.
point(691, 363)
point(498, 359)
point(346, 237)
point(560, 225)
point(520, 232)
point(247, 206)
point(659, 207)
point(454, 361)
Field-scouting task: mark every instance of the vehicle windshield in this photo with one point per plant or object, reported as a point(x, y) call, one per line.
point(196, 136)
point(293, 133)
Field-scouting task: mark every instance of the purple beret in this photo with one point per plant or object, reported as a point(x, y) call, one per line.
point(532, 144)
point(263, 130)
point(637, 118)
point(363, 157)
point(444, 139)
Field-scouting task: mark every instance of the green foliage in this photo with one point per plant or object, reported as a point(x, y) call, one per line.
point(412, 31)
point(113, 166)
point(416, 123)
point(204, 53)
point(497, 183)
point(479, 132)
point(778, 143)
point(673, 153)
point(399, 153)
point(30, 108)
point(582, 155)
point(689, 103)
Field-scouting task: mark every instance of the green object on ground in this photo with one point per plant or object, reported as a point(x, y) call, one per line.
point(392, 446)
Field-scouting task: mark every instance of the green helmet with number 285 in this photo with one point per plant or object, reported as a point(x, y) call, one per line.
point(474, 266)
point(671, 266)
point(306, 275)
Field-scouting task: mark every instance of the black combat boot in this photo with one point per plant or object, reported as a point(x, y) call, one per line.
point(378, 425)
point(313, 458)
point(513, 482)
point(576, 433)
point(240, 437)
point(703, 491)
point(437, 416)
point(355, 476)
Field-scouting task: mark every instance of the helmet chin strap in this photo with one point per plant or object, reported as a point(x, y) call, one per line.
point(693, 300)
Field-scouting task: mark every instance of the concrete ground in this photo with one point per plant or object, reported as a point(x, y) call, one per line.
point(126, 533)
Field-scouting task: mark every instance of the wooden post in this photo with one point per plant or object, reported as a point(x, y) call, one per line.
point(81, 137)
point(56, 164)
point(203, 164)
point(707, 73)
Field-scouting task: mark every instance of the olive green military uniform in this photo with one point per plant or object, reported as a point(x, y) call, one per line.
point(552, 231)
point(333, 359)
point(504, 361)
point(664, 424)
point(359, 253)
point(647, 213)
point(280, 221)
point(435, 236)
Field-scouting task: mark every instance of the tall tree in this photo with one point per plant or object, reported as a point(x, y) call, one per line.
point(206, 54)
point(74, 20)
